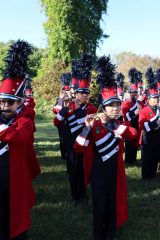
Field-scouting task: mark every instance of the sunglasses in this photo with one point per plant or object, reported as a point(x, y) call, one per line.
point(9, 102)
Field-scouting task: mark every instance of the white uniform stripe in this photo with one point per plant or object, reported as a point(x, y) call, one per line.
point(120, 130)
point(102, 140)
point(134, 107)
point(59, 117)
point(108, 146)
point(4, 149)
point(110, 154)
point(3, 127)
point(156, 116)
point(72, 123)
point(146, 125)
point(128, 117)
point(71, 117)
point(58, 107)
point(76, 128)
point(82, 141)
point(81, 120)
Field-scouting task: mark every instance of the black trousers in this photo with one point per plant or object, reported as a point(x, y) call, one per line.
point(61, 142)
point(4, 207)
point(22, 236)
point(150, 155)
point(103, 183)
point(130, 152)
point(76, 175)
point(4, 204)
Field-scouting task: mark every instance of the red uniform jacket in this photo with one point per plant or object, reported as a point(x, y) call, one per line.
point(29, 101)
point(148, 120)
point(23, 167)
point(61, 116)
point(87, 147)
point(29, 113)
point(58, 106)
point(128, 108)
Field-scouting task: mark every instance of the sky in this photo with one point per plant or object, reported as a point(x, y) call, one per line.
point(133, 26)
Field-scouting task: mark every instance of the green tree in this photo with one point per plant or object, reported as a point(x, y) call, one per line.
point(3, 51)
point(127, 60)
point(34, 63)
point(73, 26)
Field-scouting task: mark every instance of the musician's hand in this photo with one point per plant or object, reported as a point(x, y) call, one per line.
point(77, 103)
point(65, 100)
point(61, 94)
point(103, 117)
point(89, 120)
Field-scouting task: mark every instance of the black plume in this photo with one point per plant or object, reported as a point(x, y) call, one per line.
point(76, 68)
point(86, 64)
point(150, 78)
point(132, 73)
point(157, 75)
point(105, 72)
point(139, 77)
point(17, 60)
point(66, 79)
point(120, 79)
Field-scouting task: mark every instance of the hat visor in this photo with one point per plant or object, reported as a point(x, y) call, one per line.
point(82, 90)
point(8, 96)
point(153, 96)
point(111, 100)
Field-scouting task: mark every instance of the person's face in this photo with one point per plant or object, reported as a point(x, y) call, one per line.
point(153, 101)
point(9, 105)
point(83, 97)
point(134, 95)
point(112, 110)
point(72, 91)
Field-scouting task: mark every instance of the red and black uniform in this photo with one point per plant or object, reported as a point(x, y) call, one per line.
point(73, 121)
point(128, 112)
point(56, 109)
point(29, 101)
point(17, 170)
point(102, 148)
point(150, 140)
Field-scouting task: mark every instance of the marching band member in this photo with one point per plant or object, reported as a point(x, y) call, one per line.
point(18, 163)
point(29, 99)
point(149, 122)
point(101, 142)
point(73, 115)
point(64, 94)
point(130, 111)
point(157, 75)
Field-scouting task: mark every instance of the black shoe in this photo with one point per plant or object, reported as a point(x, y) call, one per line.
point(84, 201)
point(75, 202)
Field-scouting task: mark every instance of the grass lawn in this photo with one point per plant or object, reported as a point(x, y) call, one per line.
point(54, 218)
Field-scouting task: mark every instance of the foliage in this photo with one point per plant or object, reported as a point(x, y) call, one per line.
point(47, 85)
point(34, 59)
point(3, 53)
point(53, 217)
point(94, 91)
point(73, 26)
point(127, 60)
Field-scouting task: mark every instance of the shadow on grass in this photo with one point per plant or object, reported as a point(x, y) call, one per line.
point(42, 150)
